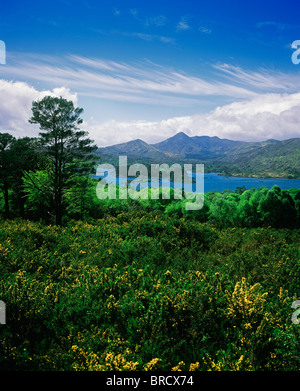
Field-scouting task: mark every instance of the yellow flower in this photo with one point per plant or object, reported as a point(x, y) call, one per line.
point(179, 366)
point(194, 367)
point(151, 364)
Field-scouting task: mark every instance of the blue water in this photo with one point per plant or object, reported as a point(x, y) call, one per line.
point(216, 182)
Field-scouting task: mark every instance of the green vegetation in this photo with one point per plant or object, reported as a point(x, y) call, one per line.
point(267, 159)
point(43, 170)
point(68, 150)
point(145, 291)
point(277, 159)
point(144, 284)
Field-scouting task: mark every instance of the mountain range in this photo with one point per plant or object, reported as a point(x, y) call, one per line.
point(270, 158)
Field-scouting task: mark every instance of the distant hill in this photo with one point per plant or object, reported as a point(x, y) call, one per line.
point(179, 144)
point(201, 147)
point(270, 158)
point(180, 147)
point(136, 149)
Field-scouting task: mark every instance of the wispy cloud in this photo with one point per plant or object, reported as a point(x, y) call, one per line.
point(256, 111)
point(262, 117)
point(278, 25)
point(205, 30)
point(151, 37)
point(183, 24)
point(121, 81)
point(262, 80)
point(135, 13)
point(145, 36)
point(145, 81)
point(157, 21)
point(149, 21)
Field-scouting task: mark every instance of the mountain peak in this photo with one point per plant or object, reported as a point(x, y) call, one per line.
point(181, 135)
point(136, 141)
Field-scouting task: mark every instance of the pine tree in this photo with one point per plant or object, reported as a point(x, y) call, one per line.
point(69, 149)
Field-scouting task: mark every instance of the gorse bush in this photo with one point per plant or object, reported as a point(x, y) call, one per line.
point(147, 291)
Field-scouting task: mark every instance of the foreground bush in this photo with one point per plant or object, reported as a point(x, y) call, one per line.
point(142, 291)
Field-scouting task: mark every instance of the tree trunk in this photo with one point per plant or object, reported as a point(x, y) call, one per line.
point(22, 204)
point(58, 207)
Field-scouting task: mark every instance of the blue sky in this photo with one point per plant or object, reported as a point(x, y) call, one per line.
point(147, 70)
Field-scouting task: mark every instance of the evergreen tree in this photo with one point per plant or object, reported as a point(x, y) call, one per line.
point(69, 149)
point(6, 167)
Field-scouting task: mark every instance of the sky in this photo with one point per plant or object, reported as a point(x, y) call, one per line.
point(151, 69)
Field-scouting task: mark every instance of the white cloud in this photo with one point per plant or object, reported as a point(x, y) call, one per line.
point(278, 25)
point(261, 80)
point(15, 106)
point(151, 37)
point(122, 81)
point(264, 117)
point(260, 118)
point(157, 21)
point(253, 115)
point(205, 30)
point(183, 24)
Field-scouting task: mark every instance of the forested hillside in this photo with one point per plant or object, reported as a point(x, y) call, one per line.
point(270, 158)
point(278, 159)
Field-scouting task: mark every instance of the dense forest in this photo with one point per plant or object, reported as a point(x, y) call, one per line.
point(141, 284)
